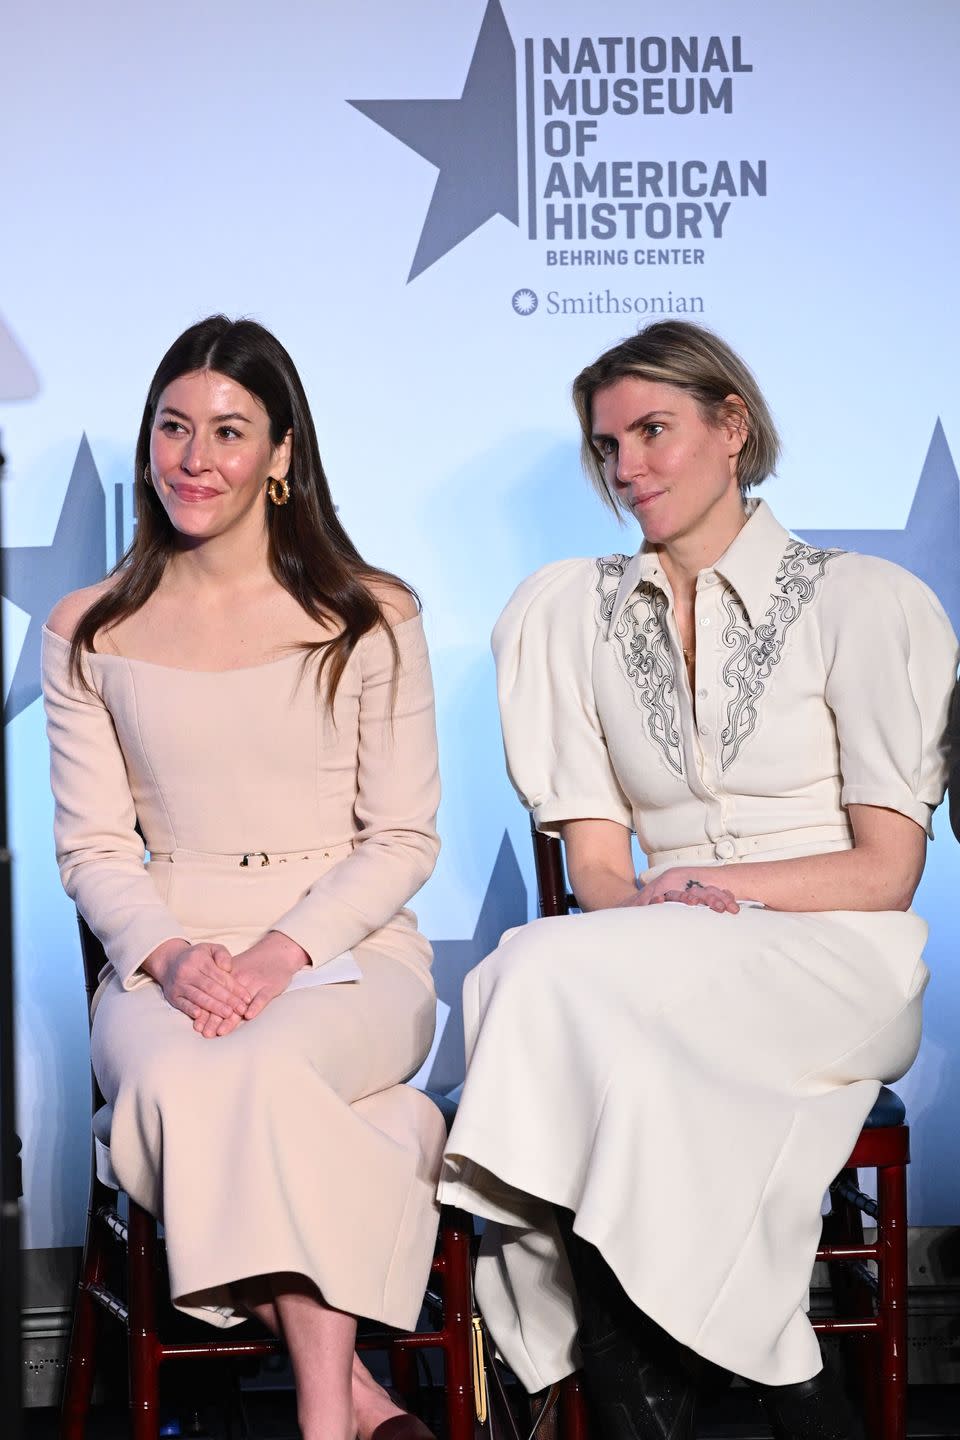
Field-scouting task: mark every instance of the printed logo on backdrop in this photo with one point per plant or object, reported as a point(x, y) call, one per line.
point(595, 123)
point(36, 576)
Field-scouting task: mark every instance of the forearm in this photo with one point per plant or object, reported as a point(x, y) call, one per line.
point(157, 963)
point(361, 893)
point(854, 879)
point(597, 887)
point(119, 901)
point(279, 948)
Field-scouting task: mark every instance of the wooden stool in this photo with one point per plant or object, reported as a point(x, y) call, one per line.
point(872, 1309)
point(449, 1299)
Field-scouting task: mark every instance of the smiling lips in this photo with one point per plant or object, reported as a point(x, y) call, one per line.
point(193, 492)
point(638, 502)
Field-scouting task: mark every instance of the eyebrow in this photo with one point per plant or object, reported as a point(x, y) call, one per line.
point(634, 424)
point(232, 415)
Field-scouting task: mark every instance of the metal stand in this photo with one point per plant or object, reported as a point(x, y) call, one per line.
point(11, 1364)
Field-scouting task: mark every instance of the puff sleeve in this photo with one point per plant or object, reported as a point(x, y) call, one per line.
point(953, 757)
point(100, 855)
point(891, 662)
point(398, 793)
point(557, 755)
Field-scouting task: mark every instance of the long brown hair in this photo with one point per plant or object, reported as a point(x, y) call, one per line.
point(310, 553)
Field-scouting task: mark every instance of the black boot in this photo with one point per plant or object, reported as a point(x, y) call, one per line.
point(638, 1379)
point(814, 1409)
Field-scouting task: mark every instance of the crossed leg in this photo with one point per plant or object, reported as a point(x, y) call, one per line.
point(337, 1397)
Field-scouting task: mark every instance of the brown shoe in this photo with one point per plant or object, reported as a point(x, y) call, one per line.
point(402, 1427)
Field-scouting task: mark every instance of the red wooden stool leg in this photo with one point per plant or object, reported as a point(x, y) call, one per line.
point(403, 1374)
point(892, 1348)
point(573, 1409)
point(82, 1357)
point(144, 1344)
point(455, 1235)
point(853, 1297)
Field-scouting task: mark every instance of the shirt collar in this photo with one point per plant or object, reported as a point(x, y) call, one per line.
point(749, 565)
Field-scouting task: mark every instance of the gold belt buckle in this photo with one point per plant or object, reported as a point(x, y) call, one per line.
point(252, 855)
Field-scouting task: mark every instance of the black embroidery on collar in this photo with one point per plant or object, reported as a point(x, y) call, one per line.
point(644, 650)
point(755, 653)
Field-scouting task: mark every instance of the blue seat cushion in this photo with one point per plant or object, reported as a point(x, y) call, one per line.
point(888, 1109)
point(447, 1105)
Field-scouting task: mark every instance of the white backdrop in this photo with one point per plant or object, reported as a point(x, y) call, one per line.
point(158, 165)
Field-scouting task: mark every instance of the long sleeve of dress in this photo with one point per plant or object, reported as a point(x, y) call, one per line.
point(891, 660)
point(556, 752)
point(398, 792)
point(100, 854)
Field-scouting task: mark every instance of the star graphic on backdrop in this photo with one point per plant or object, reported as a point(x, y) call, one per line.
point(504, 905)
point(929, 544)
point(472, 141)
point(35, 576)
point(18, 379)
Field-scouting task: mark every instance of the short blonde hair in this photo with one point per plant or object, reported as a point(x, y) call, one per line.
point(674, 352)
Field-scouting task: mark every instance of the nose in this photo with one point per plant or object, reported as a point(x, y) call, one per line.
point(195, 458)
point(629, 462)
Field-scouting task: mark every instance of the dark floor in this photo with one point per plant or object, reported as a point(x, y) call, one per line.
point(269, 1415)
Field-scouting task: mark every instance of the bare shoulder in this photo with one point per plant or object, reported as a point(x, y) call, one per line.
point(68, 612)
point(398, 603)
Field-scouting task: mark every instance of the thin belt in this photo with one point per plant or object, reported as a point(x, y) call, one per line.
point(249, 859)
point(735, 847)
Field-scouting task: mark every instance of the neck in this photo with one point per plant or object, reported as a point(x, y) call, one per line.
point(684, 556)
point(235, 560)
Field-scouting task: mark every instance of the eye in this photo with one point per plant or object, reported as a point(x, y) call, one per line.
point(170, 427)
point(229, 432)
point(605, 446)
point(653, 428)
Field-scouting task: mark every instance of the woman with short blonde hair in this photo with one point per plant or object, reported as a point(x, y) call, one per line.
point(674, 1076)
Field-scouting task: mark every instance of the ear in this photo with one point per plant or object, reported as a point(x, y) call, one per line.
point(282, 455)
point(735, 423)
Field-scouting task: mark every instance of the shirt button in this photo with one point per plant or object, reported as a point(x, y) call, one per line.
point(705, 620)
point(725, 849)
point(702, 694)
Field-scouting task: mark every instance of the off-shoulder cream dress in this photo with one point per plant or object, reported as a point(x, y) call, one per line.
point(289, 1145)
point(689, 1083)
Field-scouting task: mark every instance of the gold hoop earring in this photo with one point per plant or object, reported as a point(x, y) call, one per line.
point(278, 490)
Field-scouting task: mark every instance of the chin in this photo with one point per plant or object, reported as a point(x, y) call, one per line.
point(656, 532)
point(191, 527)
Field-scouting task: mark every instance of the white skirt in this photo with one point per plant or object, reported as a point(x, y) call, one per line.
point(688, 1084)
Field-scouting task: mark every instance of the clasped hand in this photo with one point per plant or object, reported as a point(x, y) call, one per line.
point(219, 991)
point(688, 887)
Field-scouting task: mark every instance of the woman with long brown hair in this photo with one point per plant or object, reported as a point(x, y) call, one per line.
point(254, 700)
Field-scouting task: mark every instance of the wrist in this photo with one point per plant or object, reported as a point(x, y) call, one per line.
point(709, 875)
point(286, 951)
point(158, 962)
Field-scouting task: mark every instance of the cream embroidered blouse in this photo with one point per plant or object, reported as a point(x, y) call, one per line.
point(822, 680)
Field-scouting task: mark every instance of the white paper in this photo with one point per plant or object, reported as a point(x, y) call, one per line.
point(337, 971)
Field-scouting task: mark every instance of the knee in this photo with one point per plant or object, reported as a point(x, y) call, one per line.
point(411, 1118)
point(161, 1082)
point(527, 959)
